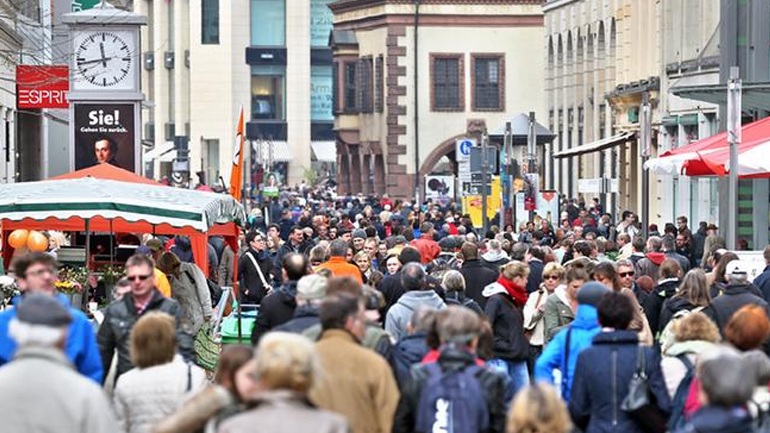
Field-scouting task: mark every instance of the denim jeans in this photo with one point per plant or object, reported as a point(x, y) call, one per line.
point(516, 370)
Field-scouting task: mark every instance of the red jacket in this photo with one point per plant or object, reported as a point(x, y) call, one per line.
point(427, 247)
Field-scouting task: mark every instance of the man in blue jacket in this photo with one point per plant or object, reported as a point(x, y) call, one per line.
point(36, 273)
point(557, 355)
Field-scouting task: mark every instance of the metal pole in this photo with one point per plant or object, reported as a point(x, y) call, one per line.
point(531, 147)
point(645, 139)
point(484, 219)
point(416, 83)
point(734, 138)
point(507, 192)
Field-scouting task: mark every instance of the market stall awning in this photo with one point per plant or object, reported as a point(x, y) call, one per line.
point(755, 96)
point(324, 151)
point(280, 150)
point(672, 161)
point(158, 150)
point(595, 146)
point(91, 197)
point(753, 161)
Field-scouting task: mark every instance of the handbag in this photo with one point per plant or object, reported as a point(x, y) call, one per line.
point(206, 348)
point(640, 404)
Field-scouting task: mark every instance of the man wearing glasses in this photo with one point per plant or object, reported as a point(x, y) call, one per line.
point(121, 315)
point(36, 273)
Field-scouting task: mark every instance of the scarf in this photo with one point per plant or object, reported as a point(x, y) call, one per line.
point(518, 293)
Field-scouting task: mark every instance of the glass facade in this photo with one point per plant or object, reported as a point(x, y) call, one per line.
point(321, 100)
point(268, 95)
point(321, 18)
point(268, 23)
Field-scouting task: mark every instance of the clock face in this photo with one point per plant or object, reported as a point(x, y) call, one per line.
point(104, 59)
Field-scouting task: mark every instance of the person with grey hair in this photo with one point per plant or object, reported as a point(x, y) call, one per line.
point(454, 289)
point(495, 257)
point(652, 260)
point(416, 294)
point(411, 349)
point(725, 389)
point(738, 293)
point(40, 390)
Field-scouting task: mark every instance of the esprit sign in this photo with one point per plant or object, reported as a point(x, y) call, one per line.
point(42, 86)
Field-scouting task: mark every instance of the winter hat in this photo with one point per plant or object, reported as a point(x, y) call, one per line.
point(591, 293)
point(312, 287)
point(359, 234)
point(43, 310)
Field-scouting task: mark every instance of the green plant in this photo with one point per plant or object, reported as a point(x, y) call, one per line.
point(110, 274)
point(310, 175)
point(73, 279)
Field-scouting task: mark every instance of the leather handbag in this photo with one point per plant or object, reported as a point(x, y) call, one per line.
point(640, 404)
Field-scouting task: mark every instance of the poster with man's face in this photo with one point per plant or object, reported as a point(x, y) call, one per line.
point(104, 134)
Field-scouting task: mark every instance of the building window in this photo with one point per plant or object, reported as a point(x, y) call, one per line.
point(336, 87)
point(350, 87)
point(365, 85)
point(210, 22)
point(379, 74)
point(268, 23)
point(268, 92)
point(488, 82)
point(447, 92)
point(321, 93)
point(321, 19)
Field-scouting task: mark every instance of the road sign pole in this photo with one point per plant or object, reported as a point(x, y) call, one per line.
point(734, 138)
point(484, 147)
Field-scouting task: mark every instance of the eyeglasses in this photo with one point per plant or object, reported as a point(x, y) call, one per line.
point(626, 274)
point(550, 277)
point(41, 272)
point(138, 277)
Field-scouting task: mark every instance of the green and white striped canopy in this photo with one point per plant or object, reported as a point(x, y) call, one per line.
point(89, 197)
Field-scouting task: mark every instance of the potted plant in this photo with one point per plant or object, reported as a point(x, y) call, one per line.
point(72, 283)
point(109, 276)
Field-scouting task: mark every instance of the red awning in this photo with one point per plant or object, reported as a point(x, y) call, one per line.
point(753, 161)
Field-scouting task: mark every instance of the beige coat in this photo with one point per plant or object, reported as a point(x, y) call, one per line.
point(40, 392)
point(284, 411)
point(356, 382)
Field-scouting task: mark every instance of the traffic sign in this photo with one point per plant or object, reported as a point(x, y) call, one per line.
point(463, 149)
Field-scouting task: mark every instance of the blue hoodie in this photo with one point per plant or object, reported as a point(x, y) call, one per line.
point(584, 328)
point(81, 347)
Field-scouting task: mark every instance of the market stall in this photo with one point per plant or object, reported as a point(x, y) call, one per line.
point(108, 199)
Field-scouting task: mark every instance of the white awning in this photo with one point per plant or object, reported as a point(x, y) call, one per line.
point(595, 146)
point(324, 151)
point(158, 150)
point(168, 156)
point(281, 151)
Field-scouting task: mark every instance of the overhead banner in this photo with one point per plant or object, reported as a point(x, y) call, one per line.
point(42, 86)
point(104, 134)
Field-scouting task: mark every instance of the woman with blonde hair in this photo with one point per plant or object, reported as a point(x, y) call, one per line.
point(692, 335)
point(538, 409)
point(693, 295)
point(534, 309)
point(286, 368)
point(504, 309)
point(161, 379)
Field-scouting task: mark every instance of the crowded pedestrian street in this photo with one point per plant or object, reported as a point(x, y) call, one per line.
point(384, 216)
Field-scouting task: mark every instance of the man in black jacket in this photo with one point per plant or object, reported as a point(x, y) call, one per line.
point(738, 293)
point(279, 306)
point(254, 269)
point(476, 275)
point(120, 316)
point(670, 271)
point(295, 244)
point(535, 257)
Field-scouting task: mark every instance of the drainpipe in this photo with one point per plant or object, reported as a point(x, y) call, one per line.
point(416, 105)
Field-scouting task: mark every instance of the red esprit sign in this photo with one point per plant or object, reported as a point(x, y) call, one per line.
point(42, 86)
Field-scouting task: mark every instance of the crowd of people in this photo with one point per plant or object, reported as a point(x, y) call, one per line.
point(376, 315)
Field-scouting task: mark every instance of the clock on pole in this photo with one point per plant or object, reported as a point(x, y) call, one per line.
point(105, 87)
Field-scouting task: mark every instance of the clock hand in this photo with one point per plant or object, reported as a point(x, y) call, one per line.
point(104, 59)
point(88, 62)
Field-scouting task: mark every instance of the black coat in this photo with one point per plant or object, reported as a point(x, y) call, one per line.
point(285, 249)
point(248, 277)
point(507, 320)
point(119, 319)
point(735, 296)
point(654, 301)
point(476, 278)
point(492, 384)
point(459, 298)
point(391, 290)
point(716, 419)
point(601, 379)
point(305, 317)
point(408, 351)
point(535, 275)
point(672, 306)
point(684, 262)
point(276, 309)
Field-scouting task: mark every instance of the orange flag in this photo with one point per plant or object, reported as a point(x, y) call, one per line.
point(236, 175)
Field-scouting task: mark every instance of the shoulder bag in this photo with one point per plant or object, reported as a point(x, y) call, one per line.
point(268, 287)
point(640, 404)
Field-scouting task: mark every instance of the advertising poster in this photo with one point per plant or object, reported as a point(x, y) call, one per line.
point(547, 207)
point(440, 188)
point(271, 186)
point(104, 133)
point(473, 205)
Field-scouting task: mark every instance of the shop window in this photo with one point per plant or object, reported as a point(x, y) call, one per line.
point(268, 92)
point(321, 93)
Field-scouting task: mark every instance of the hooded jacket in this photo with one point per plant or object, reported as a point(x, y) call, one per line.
point(554, 356)
point(654, 302)
point(649, 265)
point(494, 259)
point(672, 306)
point(398, 315)
point(183, 249)
point(81, 348)
point(507, 320)
point(477, 276)
point(407, 352)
